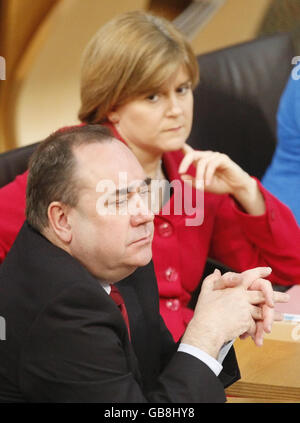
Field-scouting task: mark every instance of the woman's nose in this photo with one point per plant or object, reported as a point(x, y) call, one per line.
point(174, 106)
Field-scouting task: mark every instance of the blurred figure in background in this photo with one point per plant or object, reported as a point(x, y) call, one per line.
point(282, 178)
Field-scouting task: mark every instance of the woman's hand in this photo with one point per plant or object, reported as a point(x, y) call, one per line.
point(218, 174)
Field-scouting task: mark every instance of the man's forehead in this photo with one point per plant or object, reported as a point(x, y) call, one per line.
point(106, 146)
point(98, 161)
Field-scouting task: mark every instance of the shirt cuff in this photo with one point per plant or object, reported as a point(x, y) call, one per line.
point(224, 351)
point(207, 359)
point(213, 364)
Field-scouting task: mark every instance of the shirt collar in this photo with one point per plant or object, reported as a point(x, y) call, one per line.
point(106, 286)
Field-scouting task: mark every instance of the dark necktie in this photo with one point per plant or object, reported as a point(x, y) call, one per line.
point(118, 299)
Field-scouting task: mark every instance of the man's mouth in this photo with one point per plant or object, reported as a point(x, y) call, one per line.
point(174, 129)
point(144, 240)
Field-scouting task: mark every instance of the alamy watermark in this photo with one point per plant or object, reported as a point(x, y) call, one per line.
point(296, 333)
point(2, 329)
point(296, 69)
point(158, 196)
point(2, 69)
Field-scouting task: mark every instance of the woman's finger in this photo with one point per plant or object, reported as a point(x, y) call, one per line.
point(200, 172)
point(186, 163)
point(214, 163)
point(187, 149)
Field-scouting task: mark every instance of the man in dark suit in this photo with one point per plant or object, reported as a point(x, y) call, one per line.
point(66, 338)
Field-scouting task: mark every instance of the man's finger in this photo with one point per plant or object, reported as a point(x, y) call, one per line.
point(281, 297)
point(251, 275)
point(278, 317)
point(259, 334)
point(229, 280)
point(268, 318)
point(255, 297)
point(266, 288)
point(256, 312)
point(211, 280)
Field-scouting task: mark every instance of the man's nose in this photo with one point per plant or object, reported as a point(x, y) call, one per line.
point(141, 213)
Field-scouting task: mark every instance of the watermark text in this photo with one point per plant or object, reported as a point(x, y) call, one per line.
point(177, 198)
point(2, 329)
point(296, 69)
point(2, 69)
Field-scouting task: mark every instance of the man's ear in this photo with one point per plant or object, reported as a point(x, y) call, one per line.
point(113, 117)
point(58, 217)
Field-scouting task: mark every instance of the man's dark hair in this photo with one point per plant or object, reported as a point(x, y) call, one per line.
point(52, 170)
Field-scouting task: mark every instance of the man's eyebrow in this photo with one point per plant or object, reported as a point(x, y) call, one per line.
point(122, 191)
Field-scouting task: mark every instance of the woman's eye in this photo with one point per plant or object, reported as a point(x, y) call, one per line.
point(183, 89)
point(153, 98)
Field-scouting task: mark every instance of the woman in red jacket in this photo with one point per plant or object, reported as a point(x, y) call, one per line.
point(138, 74)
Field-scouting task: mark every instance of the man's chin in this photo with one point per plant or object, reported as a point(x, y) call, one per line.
point(143, 258)
point(130, 267)
point(143, 261)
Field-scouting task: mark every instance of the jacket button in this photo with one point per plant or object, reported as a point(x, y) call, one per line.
point(173, 304)
point(165, 229)
point(171, 274)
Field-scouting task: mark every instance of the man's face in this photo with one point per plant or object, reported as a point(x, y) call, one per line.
point(111, 232)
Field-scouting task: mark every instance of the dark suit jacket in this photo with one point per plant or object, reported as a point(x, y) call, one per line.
point(66, 340)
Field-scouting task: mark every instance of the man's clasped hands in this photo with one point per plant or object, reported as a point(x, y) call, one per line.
point(232, 305)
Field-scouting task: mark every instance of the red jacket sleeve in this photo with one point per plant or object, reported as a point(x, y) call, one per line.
point(243, 241)
point(12, 212)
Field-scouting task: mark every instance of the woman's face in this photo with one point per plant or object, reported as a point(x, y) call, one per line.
point(159, 121)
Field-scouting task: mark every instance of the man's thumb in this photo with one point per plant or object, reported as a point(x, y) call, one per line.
point(211, 280)
point(229, 280)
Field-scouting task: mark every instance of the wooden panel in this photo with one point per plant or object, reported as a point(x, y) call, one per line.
point(18, 22)
point(44, 87)
point(48, 78)
point(168, 9)
point(238, 400)
point(235, 22)
point(271, 372)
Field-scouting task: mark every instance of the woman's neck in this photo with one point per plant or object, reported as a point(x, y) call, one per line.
point(150, 161)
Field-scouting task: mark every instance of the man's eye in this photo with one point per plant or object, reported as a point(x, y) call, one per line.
point(117, 201)
point(121, 201)
point(144, 192)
